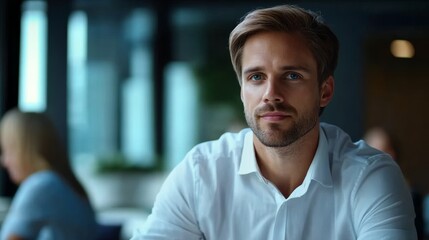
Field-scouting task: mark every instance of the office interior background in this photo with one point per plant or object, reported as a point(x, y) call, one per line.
point(133, 85)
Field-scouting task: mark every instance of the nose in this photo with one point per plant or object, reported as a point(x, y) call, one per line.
point(273, 92)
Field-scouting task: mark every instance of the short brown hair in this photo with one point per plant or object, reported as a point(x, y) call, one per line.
point(292, 19)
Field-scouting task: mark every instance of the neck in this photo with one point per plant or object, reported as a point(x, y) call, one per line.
point(286, 167)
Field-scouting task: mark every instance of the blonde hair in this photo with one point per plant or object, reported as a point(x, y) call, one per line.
point(36, 139)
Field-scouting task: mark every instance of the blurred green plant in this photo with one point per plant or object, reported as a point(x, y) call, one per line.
point(218, 85)
point(119, 163)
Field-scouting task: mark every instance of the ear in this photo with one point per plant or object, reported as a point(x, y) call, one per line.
point(241, 94)
point(327, 91)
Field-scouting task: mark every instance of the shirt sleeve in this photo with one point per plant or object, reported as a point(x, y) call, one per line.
point(173, 214)
point(382, 204)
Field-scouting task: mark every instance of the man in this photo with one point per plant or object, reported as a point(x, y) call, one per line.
point(290, 176)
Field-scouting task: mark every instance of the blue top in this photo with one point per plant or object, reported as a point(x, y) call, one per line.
point(350, 191)
point(46, 207)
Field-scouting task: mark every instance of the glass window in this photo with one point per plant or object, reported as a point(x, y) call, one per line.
point(202, 94)
point(182, 107)
point(32, 87)
point(111, 112)
point(112, 88)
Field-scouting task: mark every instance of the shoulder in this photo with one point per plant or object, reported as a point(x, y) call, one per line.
point(356, 164)
point(41, 188)
point(40, 181)
point(356, 160)
point(210, 161)
point(33, 198)
point(227, 146)
point(227, 142)
point(194, 182)
point(342, 149)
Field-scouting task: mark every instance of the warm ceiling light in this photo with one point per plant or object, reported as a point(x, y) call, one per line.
point(402, 49)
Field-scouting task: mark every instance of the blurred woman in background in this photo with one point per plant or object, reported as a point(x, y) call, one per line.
point(50, 202)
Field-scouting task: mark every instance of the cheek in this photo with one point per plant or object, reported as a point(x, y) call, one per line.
point(310, 97)
point(10, 161)
point(5, 161)
point(16, 171)
point(244, 94)
point(247, 105)
point(248, 95)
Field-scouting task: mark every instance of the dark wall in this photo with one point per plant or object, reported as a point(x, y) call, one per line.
point(346, 109)
point(9, 70)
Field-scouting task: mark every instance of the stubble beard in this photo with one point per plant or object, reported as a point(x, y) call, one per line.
point(275, 135)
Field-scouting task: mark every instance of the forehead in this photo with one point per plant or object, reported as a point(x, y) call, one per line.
point(289, 48)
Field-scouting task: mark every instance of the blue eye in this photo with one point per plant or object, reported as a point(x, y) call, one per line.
point(293, 76)
point(256, 77)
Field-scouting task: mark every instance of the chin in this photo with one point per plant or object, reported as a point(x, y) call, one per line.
point(16, 179)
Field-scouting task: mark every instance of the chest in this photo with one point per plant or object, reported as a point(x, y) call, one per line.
point(254, 209)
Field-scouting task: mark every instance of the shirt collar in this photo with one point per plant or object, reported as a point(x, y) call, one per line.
point(319, 168)
point(248, 162)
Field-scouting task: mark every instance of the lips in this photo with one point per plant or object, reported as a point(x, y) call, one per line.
point(274, 116)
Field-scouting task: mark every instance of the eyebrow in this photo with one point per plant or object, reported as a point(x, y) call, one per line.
point(252, 69)
point(295, 68)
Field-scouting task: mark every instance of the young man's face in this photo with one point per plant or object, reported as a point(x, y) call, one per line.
point(280, 89)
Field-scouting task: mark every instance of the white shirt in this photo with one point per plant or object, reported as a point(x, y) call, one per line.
point(351, 191)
